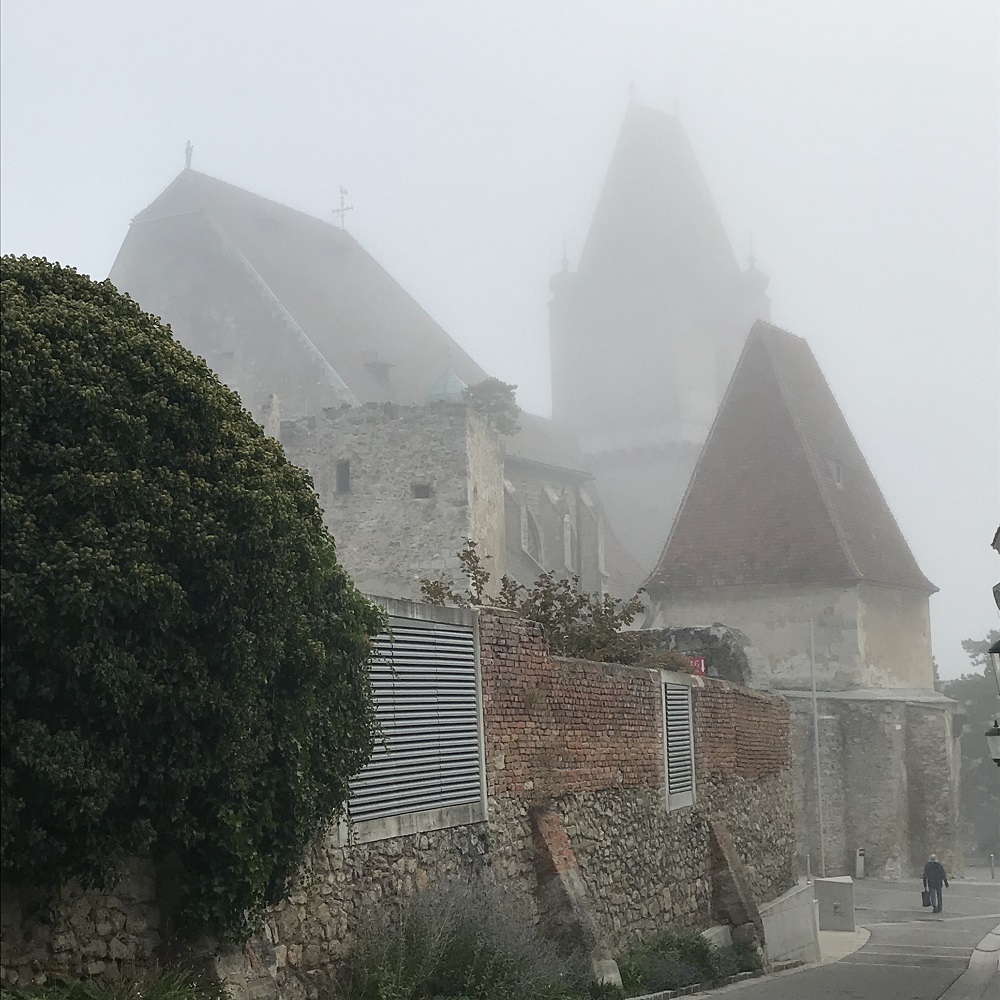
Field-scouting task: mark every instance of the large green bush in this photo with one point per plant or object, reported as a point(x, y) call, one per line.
point(184, 663)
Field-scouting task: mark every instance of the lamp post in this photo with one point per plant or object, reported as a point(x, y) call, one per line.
point(993, 734)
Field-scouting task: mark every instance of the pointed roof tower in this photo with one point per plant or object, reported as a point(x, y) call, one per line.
point(655, 210)
point(782, 493)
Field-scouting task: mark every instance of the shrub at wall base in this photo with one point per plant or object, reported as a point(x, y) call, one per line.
point(184, 663)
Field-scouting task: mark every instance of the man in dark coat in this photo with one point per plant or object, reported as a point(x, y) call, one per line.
point(934, 878)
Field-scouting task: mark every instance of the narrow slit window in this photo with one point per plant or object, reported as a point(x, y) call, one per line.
point(344, 476)
point(422, 491)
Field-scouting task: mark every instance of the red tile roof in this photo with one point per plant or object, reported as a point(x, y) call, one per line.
point(781, 492)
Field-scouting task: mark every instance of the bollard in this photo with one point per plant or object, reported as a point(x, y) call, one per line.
point(992, 875)
point(809, 876)
point(859, 863)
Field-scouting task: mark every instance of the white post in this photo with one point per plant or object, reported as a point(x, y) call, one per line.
point(819, 787)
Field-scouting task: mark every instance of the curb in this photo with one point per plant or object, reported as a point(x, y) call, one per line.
point(982, 970)
point(687, 991)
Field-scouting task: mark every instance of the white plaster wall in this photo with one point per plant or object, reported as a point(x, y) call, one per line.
point(776, 620)
point(895, 634)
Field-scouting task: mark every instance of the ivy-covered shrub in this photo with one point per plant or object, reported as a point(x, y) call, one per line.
point(184, 663)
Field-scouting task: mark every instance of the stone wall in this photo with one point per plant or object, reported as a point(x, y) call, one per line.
point(888, 775)
point(581, 743)
point(75, 932)
point(419, 481)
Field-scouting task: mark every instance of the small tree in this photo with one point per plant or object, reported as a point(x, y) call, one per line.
point(495, 402)
point(576, 623)
point(184, 662)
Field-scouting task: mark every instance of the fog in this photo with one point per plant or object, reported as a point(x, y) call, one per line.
point(856, 142)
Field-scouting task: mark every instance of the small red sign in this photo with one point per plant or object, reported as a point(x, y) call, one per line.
point(698, 662)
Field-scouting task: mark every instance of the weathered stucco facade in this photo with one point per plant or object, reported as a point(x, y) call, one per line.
point(575, 779)
point(863, 635)
point(888, 776)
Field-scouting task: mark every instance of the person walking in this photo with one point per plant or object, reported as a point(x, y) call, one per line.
point(934, 878)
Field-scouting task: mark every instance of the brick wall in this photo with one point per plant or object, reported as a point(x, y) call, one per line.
point(740, 733)
point(556, 725)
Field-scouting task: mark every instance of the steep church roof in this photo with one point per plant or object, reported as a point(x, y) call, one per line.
point(655, 209)
point(782, 493)
point(378, 339)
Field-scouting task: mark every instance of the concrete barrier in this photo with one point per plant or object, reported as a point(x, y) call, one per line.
point(836, 903)
point(791, 933)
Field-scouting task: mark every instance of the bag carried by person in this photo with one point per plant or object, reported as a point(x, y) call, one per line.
point(925, 897)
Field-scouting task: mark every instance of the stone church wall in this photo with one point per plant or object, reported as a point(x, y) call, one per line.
point(419, 481)
point(582, 742)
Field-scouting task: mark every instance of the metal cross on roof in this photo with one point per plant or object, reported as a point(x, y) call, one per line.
point(344, 208)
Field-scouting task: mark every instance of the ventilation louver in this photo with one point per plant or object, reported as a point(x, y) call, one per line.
point(428, 754)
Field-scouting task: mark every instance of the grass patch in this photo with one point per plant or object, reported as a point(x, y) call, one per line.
point(155, 984)
point(671, 961)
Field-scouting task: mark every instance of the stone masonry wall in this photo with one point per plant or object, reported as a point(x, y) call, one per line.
point(387, 537)
point(583, 741)
point(888, 775)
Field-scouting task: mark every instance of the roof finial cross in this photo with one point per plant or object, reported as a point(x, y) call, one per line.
point(344, 208)
point(188, 151)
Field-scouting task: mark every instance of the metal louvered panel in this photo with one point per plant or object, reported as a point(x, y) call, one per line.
point(680, 756)
point(428, 755)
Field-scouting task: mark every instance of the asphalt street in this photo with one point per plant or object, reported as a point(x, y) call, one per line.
point(912, 954)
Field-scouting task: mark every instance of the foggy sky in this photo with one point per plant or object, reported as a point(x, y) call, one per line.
point(857, 142)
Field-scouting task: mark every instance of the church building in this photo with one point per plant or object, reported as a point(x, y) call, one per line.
point(292, 313)
point(784, 535)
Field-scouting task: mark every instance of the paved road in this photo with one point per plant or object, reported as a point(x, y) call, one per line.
point(912, 954)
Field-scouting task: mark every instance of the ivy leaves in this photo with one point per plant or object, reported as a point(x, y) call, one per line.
point(184, 663)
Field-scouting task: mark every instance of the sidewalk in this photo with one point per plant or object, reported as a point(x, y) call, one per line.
point(835, 945)
point(983, 972)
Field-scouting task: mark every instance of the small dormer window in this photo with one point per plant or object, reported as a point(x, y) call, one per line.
point(422, 491)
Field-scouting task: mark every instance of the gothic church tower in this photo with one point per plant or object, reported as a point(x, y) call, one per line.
point(645, 333)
